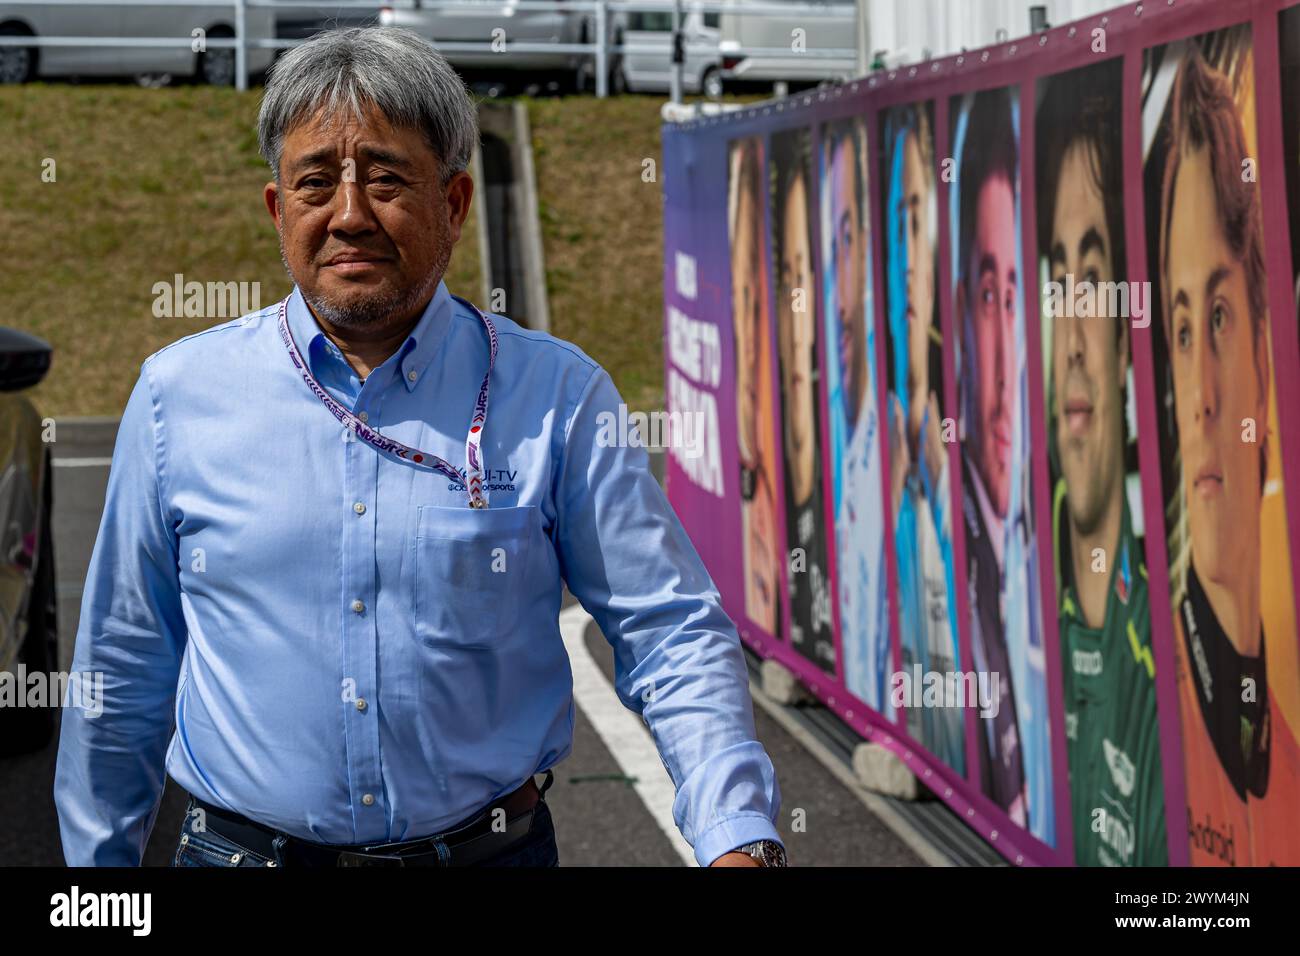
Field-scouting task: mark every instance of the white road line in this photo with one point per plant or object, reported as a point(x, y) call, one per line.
point(82, 462)
point(623, 732)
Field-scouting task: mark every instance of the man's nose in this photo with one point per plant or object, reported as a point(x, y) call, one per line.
point(1002, 349)
point(1073, 332)
point(1205, 364)
point(351, 213)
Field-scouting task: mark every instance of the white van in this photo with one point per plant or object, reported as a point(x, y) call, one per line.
point(833, 26)
point(151, 21)
point(650, 69)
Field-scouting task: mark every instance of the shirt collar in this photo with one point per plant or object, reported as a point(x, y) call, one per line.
point(412, 356)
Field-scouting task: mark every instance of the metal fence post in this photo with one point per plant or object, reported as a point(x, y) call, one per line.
point(675, 80)
point(602, 54)
point(241, 49)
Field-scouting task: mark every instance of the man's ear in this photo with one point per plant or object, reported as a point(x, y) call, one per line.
point(459, 194)
point(271, 196)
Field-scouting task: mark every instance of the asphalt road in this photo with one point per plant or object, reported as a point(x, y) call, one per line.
point(601, 817)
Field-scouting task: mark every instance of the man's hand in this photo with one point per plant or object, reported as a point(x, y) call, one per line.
point(735, 858)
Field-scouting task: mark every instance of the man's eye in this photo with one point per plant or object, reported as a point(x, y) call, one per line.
point(1218, 318)
point(1184, 336)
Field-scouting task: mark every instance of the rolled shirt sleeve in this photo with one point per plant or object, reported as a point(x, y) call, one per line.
point(110, 772)
point(677, 657)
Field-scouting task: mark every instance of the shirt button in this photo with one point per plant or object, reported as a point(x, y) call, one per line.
point(359, 507)
point(412, 375)
point(367, 799)
point(361, 703)
point(364, 416)
point(358, 605)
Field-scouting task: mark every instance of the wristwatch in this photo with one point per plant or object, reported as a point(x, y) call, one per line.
point(766, 852)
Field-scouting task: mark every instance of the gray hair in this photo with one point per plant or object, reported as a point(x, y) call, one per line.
point(391, 69)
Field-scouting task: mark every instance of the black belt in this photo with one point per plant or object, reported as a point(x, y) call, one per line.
point(477, 838)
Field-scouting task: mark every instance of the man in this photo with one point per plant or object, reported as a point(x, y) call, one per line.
point(1112, 734)
point(370, 671)
point(1001, 565)
point(1240, 753)
point(749, 308)
point(927, 607)
point(857, 494)
point(810, 611)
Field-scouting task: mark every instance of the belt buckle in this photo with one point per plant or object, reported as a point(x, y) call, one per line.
point(349, 858)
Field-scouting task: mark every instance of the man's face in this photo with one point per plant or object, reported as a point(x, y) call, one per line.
point(366, 226)
point(920, 267)
point(1220, 380)
point(747, 314)
point(795, 333)
point(1089, 354)
point(850, 265)
point(992, 288)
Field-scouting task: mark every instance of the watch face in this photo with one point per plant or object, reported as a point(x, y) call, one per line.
point(767, 852)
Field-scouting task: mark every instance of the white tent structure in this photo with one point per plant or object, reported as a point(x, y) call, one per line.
point(901, 32)
point(907, 31)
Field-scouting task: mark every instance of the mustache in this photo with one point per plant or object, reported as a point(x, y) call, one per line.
point(374, 309)
point(1078, 383)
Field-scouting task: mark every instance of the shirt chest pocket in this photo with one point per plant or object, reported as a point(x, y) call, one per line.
point(469, 568)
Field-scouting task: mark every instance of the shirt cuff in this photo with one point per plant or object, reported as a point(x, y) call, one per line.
point(732, 832)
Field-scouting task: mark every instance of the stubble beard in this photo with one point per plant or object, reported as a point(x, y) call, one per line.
point(378, 308)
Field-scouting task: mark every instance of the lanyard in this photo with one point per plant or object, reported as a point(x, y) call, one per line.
point(473, 477)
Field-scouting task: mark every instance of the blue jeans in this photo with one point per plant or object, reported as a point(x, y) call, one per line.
point(208, 848)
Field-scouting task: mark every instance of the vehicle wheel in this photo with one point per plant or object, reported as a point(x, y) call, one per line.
point(617, 79)
point(217, 67)
point(25, 730)
point(490, 89)
point(17, 63)
point(711, 83)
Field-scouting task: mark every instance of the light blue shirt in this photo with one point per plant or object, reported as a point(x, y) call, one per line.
point(349, 652)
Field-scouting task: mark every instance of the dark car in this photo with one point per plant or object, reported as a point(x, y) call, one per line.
point(28, 627)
